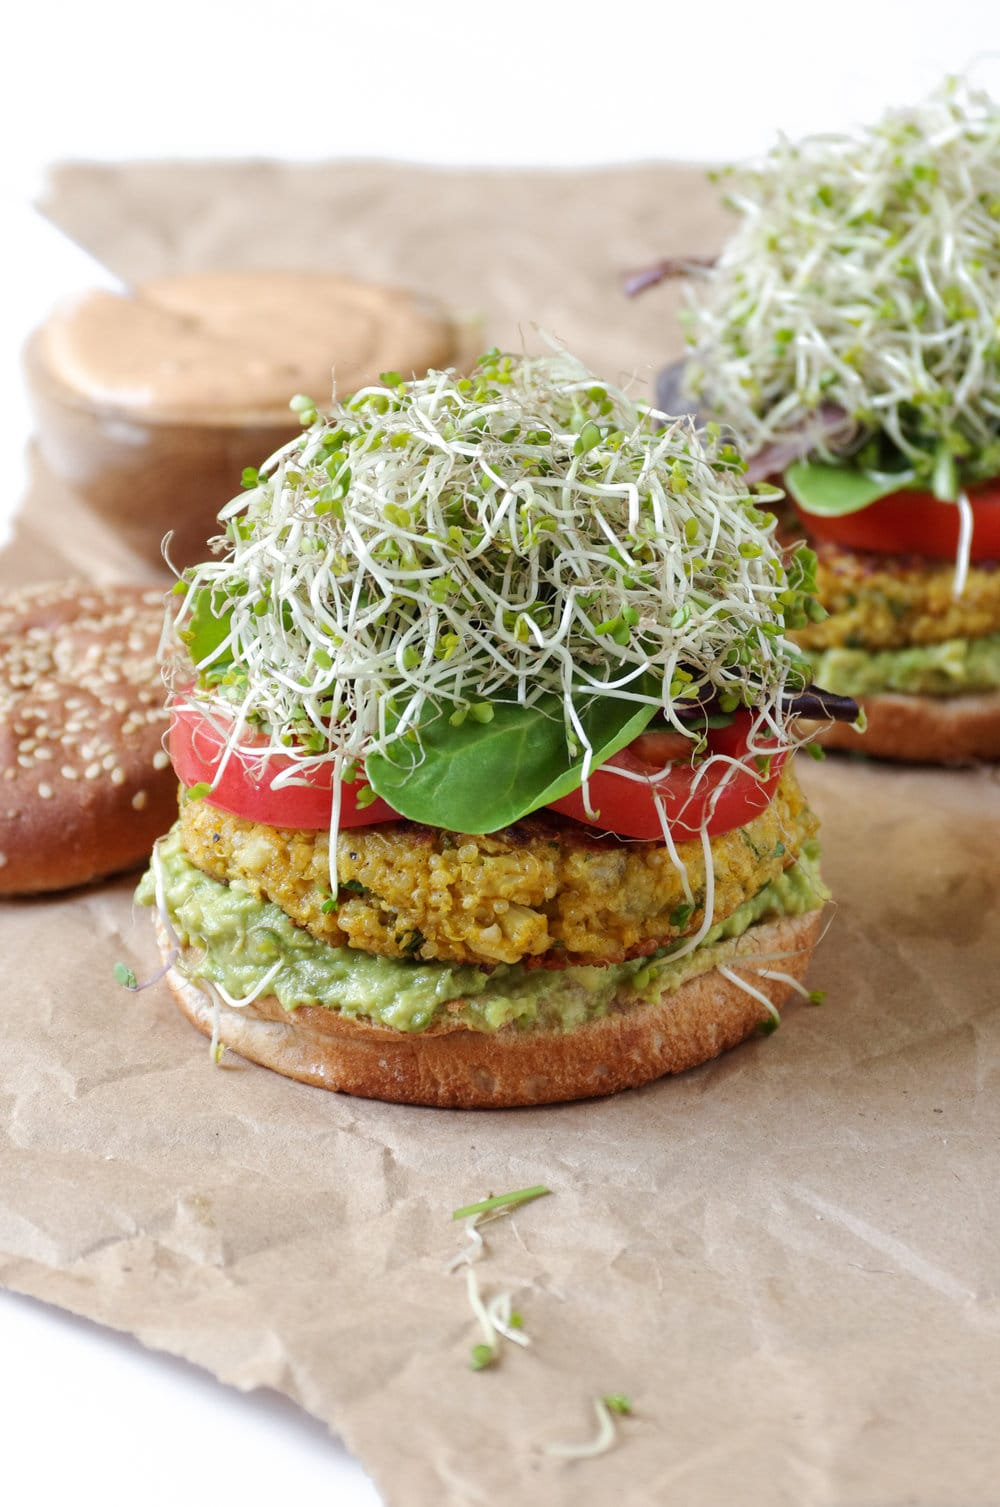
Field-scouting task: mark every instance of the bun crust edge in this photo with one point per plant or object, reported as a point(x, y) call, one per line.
point(923, 729)
point(453, 1067)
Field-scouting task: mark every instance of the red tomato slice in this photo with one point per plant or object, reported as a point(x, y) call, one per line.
point(718, 798)
point(196, 749)
point(660, 748)
point(915, 523)
point(723, 797)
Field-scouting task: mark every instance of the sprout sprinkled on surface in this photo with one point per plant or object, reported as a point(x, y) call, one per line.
point(456, 554)
point(616, 1403)
point(864, 282)
point(507, 1202)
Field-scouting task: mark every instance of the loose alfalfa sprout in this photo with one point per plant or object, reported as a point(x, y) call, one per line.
point(497, 1318)
point(174, 946)
point(864, 278)
point(436, 547)
point(606, 1409)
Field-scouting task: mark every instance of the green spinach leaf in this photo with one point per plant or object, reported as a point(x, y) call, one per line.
point(485, 775)
point(834, 491)
point(208, 627)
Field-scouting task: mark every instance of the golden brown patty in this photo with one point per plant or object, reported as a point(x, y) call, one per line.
point(886, 602)
point(545, 890)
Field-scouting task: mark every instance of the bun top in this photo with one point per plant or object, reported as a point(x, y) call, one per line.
point(86, 784)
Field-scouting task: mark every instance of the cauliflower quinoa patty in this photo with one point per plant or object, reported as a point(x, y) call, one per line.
point(879, 601)
point(546, 891)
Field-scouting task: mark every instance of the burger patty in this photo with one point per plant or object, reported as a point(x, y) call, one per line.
point(880, 601)
point(546, 891)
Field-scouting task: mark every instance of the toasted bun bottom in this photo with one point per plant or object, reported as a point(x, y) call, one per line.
point(451, 1066)
point(923, 729)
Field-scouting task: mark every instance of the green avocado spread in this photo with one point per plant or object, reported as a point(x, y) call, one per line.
point(250, 946)
point(948, 669)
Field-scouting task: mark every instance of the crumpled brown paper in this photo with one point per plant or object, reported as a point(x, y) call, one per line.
point(787, 1259)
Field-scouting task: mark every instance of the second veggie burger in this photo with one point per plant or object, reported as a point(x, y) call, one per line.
point(848, 334)
point(485, 716)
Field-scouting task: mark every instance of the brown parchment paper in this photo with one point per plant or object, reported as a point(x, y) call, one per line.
point(788, 1259)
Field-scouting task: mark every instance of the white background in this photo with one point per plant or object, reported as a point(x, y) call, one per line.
point(88, 1416)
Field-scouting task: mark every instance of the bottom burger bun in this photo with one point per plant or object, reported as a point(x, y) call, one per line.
point(923, 729)
point(451, 1066)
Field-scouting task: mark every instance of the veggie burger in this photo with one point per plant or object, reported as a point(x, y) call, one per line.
point(484, 717)
point(848, 336)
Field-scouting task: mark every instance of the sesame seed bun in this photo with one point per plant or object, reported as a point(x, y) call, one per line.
point(451, 1066)
point(85, 786)
point(923, 729)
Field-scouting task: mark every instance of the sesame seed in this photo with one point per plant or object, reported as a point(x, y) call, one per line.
point(139, 800)
point(45, 791)
point(117, 776)
point(68, 772)
point(160, 759)
point(92, 771)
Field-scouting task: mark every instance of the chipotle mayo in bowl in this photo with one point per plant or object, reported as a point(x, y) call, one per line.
point(149, 405)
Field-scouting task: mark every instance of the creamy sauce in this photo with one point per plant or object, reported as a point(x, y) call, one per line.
point(205, 345)
point(245, 940)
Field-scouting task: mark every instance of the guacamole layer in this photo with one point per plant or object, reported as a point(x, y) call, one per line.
point(250, 947)
point(956, 667)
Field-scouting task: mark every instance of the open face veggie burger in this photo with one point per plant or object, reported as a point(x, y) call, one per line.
point(484, 718)
point(848, 335)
